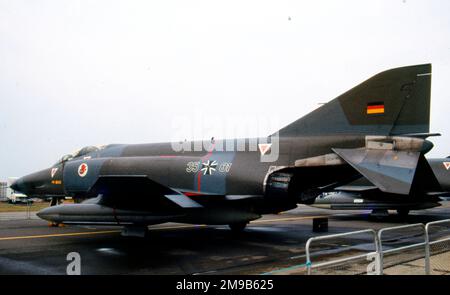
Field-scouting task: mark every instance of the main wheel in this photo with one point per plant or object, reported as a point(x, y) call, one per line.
point(237, 227)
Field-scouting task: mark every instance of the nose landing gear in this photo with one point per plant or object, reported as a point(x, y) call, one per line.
point(55, 202)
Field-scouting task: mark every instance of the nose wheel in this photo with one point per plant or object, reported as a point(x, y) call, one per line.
point(56, 201)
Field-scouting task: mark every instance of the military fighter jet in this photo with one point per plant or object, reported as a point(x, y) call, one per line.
point(376, 131)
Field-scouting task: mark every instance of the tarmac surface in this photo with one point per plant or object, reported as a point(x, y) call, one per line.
point(268, 245)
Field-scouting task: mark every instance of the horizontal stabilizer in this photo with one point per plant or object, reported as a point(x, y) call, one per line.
point(391, 171)
point(422, 135)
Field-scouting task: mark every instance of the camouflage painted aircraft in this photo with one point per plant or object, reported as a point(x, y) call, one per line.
point(375, 132)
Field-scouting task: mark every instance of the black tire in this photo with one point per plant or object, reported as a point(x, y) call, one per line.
point(237, 227)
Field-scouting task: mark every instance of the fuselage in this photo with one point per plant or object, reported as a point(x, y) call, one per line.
point(229, 167)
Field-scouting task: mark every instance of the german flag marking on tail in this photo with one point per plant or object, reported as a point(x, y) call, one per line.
point(375, 108)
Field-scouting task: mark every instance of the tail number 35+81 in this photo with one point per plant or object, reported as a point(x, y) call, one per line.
point(194, 167)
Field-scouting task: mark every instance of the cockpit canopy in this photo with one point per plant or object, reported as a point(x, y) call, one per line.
point(86, 150)
point(81, 152)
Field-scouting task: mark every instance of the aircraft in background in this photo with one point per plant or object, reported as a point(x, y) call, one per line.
point(363, 195)
point(376, 131)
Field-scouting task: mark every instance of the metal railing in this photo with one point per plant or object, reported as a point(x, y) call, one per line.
point(436, 247)
point(309, 264)
point(402, 248)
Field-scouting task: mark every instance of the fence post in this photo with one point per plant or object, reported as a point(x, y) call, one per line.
point(427, 248)
point(308, 257)
point(379, 257)
point(380, 251)
point(427, 251)
point(425, 243)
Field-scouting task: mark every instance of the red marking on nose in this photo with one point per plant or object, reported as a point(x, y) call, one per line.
point(83, 169)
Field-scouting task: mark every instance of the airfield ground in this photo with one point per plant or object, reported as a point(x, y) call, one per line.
point(6, 207)
point(273, 244)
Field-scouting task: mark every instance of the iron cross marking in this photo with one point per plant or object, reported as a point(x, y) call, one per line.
point(209, 167)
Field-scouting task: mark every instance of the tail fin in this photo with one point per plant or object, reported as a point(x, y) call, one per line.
point(393, 102)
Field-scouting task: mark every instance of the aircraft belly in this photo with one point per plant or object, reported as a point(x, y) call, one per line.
point(217, 216)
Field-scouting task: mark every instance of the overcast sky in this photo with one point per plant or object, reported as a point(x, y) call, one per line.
point(77, 73)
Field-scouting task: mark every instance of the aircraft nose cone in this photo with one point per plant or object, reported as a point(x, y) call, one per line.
point(17, 185)
point(38, 184)
point(23, 185)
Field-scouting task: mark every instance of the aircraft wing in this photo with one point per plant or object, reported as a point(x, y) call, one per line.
point(394, 165)
point(125, 190)
point(391, 171)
